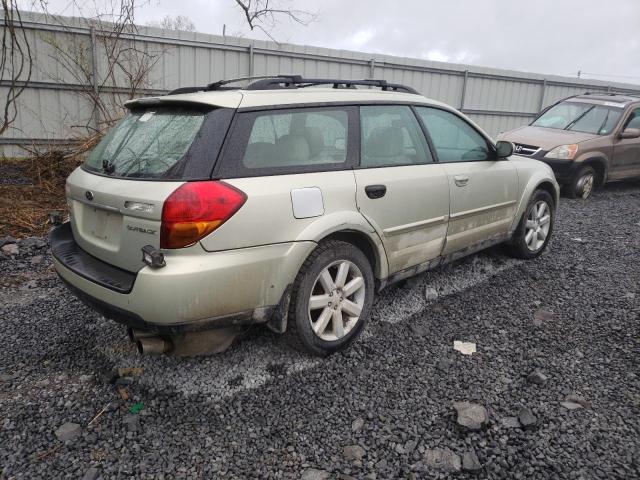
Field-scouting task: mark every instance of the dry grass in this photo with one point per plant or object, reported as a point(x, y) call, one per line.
point(25, 208)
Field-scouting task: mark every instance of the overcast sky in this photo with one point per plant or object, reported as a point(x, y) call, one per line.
point(601, 38)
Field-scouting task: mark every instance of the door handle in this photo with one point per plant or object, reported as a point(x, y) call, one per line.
point(461, 180)
point(375, 191)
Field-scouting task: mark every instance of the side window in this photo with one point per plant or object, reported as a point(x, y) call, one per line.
point(299, 138)
point(454, 139)
point(634, 119)
point(391, 135)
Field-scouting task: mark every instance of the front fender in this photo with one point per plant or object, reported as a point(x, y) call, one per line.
point(531, 175)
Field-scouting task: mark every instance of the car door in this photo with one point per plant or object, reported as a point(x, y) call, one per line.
point(483, 190)
point(400, 190)
point(626, 151)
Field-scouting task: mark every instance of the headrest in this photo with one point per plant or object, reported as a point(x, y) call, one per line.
point(384, 142)
point(315, 139)
point(292, 149)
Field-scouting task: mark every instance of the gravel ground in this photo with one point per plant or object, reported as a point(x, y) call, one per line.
point(382, 409)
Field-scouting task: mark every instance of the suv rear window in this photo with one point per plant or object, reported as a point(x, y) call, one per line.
point(163, 143)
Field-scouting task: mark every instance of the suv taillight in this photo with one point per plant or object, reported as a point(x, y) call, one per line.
point(195, 210)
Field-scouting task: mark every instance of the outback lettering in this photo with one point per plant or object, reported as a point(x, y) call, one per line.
point(141, 230)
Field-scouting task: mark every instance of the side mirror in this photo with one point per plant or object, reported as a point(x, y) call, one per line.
point(630, 133)
point(504, 149)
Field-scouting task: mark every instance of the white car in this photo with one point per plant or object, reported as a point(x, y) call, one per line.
point(287, 203)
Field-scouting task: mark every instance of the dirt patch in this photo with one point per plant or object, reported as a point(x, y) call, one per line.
point(34, 187)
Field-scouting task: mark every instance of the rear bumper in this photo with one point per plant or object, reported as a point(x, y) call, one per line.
point(196, 290)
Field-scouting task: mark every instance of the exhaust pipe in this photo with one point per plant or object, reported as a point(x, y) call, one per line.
point(153, 346)
point(134, 334)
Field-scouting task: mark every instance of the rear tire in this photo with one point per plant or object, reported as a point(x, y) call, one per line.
point(331, 299)
point(535, 228)
point(582, 184)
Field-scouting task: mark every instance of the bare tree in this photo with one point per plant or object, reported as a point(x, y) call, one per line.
point(180, 22)
point(125, 64)
point(264, 14)
point(128, 64)
point(15, 62)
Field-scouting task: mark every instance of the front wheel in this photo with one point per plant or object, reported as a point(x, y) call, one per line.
point(535, 228)
point(582, 183)
point(331, 299)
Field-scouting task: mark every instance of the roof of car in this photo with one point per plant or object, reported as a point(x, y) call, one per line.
point(265, 98)
point(290, 90)
point(606, 98)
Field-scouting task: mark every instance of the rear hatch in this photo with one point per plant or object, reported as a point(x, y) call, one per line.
point(116, 197)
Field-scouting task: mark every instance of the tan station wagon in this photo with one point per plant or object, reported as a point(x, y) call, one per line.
point(286, 203)
point(587, 140)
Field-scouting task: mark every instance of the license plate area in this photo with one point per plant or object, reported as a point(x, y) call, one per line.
point(103, 225)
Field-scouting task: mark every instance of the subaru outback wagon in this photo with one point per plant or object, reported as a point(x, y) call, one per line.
point(587, 140)
point(289, 204)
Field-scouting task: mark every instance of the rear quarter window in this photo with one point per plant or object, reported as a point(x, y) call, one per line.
point(272, 142)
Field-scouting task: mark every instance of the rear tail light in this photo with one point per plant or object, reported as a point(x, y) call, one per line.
point(195, 210)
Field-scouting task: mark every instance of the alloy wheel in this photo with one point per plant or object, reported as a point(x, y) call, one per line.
point(585, 185)
point(336, 300)
point(537, 226)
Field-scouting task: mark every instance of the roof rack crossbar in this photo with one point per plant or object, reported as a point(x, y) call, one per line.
point(273, 82)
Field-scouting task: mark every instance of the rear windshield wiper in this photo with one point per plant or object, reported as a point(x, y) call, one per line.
point(108, 167)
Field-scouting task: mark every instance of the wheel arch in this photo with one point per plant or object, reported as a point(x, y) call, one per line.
point(353, 228)
point(600, 165)
point(538, 181)
point(363, 242)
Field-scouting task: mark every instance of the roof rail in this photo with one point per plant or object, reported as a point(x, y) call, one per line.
point(295, 81)
point(271, 82)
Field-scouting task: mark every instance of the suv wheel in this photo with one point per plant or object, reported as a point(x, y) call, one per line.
point(535, 228)
point(583, 183)
point(331, 299)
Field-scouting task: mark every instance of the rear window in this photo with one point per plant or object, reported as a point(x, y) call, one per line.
point(163, 143)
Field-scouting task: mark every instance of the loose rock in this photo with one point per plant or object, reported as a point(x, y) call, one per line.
point(443, 460)
point(91, 474)
point(510, 422)
point(315, 474)
point(444, 364)
point(132, 422)
point(430, 294)
point(526, 418)
point(470, 462)
point(542, 316)
point(471, 415)
point(357, 425)
point(537, 378)
point(10, 249)
point(353, 452)
point(68, 432)
point(571, 405)
point(573, 398)
point(5, 240)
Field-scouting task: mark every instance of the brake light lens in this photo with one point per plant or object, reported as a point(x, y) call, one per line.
point(196, 209)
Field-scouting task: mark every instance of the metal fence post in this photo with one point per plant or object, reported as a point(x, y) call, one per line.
point(251, 66)
point(94, 76)
point(542, 95)
point(463, 94)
